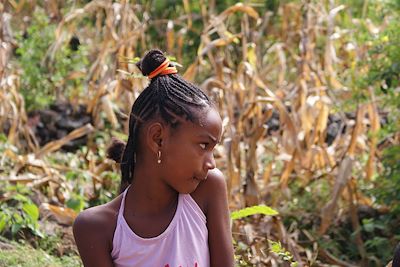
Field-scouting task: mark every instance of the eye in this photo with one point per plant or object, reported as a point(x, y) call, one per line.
point(203, 145)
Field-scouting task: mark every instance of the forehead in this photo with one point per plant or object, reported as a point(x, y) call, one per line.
point(208, 124)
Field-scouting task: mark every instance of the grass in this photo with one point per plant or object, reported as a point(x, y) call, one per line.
point(20, 255)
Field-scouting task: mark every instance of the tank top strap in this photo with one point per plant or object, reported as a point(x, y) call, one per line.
point(122, 205)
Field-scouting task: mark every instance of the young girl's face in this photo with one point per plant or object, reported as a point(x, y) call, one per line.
point(187, 153)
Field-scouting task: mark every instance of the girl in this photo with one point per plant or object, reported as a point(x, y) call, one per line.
point(173, 209)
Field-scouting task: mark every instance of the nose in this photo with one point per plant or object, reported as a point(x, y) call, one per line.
point(209, 163)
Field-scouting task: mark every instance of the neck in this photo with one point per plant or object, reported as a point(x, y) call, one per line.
point(148, 194)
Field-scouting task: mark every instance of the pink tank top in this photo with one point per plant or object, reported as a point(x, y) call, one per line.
point(183, 244)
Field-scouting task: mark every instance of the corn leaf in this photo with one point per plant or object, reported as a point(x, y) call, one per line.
point(259, 209)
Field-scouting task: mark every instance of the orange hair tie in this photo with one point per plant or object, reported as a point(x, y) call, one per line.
point(163, 69)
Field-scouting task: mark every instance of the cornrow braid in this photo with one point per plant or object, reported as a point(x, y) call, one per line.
point(167, 96)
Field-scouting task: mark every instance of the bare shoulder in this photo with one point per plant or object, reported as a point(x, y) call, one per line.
point(99, 217)
point(212, 190)
point(212, 197)
point(93, 232)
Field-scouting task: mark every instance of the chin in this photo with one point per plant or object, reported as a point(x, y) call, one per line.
point(188, 192)
point(189, 189)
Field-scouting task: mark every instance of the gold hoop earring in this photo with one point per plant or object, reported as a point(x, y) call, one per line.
point(159, 157)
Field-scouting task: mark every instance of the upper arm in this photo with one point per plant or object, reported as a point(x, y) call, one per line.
point(90, 235)
point(218, 220)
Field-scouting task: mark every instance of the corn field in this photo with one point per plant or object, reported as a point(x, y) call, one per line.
point(303, 127)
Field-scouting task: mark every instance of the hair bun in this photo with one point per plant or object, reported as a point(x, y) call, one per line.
point(116, 150)
point(151, 60)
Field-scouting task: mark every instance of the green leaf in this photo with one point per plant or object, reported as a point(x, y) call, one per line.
point(71, 175)
point(76, 204)
point(129, 60)
point(276, 247)
point(3, 219)
point(31, 210)
point(260, 209)
point(119, 135)
point(20, 198)
point(15, 228)
point(3, 138)
point(37, 232)
point(17, 218)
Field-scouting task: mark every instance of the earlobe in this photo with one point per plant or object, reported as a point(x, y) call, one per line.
point(155, 135)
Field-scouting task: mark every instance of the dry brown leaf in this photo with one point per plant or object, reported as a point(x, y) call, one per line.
point(55, 145)
point(288, 169)
point(322, 120)
point(331, 259)
point(219, 43)
point(12, 135)
point(62, 215)
point(355, 220)
point(375, 127)
point(186, 7)
point(251, 191)
point(107, 107)
point(23, 179)
point(307, 160)
point(250, 233)
point(180, 43)
point(328, 212)
point(231, 148)
point(170, 37)
point(356, 130)
point(267, 173)
point(239, 7)
point(307, 119)
point(190, 73)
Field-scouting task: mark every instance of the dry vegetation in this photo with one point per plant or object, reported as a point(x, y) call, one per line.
point(279, 77)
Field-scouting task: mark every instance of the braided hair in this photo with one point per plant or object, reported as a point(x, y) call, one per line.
point(166, 97)
point(396, 257)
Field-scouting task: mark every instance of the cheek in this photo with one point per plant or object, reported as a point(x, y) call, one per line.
point(185, 155)
point(182, 157)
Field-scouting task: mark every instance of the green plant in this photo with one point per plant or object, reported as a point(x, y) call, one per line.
point(42, 79)
point(384, 77)
point(380, 84)
point(17, 211)
point(22, 255)
point(241, 251)
point(6, 163)
point(389, 185)
point(76, 202)
point(259, 209)
point(285, 255)
point(241, 248)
